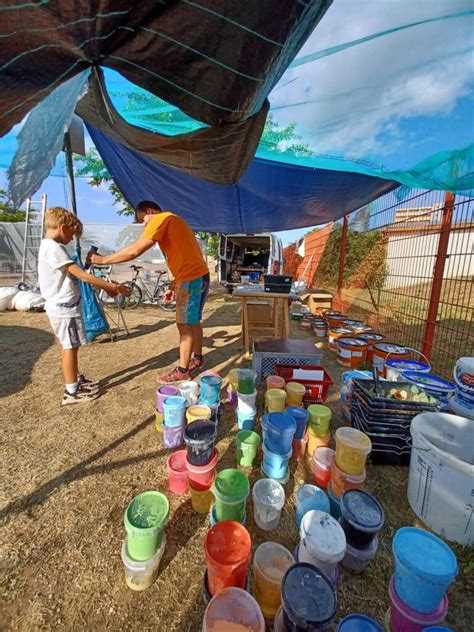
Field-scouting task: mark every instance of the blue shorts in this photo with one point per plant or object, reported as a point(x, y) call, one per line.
point(190, 299)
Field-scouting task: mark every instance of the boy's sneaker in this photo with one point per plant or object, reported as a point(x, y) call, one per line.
point(196, 365)
point(87, 385)
point(80, 396)
point(174, 376)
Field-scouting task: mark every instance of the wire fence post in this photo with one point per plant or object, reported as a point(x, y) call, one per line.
point(438, 273)
point(342, 262)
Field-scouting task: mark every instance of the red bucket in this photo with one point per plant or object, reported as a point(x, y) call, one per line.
point(227, 549)
point(201, 476)
point(177, 472)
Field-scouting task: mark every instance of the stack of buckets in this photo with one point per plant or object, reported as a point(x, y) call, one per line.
point(246, 399)
point(424, 568)
point(319, 434)
point(278, 429)
point(145, 520)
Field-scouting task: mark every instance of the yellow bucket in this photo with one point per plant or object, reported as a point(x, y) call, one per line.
point(198, 411)
point(233, 377)
point(295, 393)
point(352, 448)
point(201, 500)
point(275, 399)
point(158, 421)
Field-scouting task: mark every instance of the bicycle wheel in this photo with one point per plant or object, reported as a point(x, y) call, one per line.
point(167, 307)
point(110, 302)
point(135, 297)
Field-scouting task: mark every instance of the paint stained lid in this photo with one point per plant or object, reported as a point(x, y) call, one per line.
point(339, 330)
point(429, 381)
point(371, 336)
point(408, 365)
point(362, 510)
point(308, 596)
point(390, 347)
point(352, 342)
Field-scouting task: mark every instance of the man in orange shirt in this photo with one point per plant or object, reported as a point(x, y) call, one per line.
point(191, 279)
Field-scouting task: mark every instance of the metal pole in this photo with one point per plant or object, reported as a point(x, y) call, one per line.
point(438, 273)
point(342, 257)
point(70, 181)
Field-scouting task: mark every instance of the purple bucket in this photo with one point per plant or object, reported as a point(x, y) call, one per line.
point(173, 436)
point(162, 393)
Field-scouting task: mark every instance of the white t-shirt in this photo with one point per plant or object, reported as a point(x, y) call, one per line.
point(58, 288)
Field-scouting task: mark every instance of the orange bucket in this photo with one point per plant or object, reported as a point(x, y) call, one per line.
point(370, 338)
point(335, 334)
point(341, 481)
point(382, 350)
point(335, 320)
point(227, 549)
point(317, 442)
point(351, 352)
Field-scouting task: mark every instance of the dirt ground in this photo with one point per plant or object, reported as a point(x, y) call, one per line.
point(68, 474)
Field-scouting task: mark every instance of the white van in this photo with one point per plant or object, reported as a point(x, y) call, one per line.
point(244, 255)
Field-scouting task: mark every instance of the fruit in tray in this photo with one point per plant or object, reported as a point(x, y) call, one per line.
point(411, 394)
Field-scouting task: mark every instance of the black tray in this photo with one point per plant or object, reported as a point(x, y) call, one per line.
point(383, 424)
point(387, 449)
point(380, 415)
point(278, 283)
point(362, 386)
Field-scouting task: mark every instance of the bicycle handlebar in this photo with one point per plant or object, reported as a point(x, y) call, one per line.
point(134, 267)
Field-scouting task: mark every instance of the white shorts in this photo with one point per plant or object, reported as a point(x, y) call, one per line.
point(70, 332)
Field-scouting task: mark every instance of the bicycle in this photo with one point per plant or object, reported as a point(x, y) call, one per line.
point(154, 297)
point(103, 272)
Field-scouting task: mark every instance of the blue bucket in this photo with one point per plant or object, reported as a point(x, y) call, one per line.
point(301, 417)
point(334, 503)
point(280, 429)
point(358, 623)
point(174, 408)
point(310, 497)
point(210, 389)
point(424, 568)
point(275, 465)
point(435, 386)
point(246, 421)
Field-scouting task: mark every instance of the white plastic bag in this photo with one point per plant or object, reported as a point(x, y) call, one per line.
point(26, 300)
point(6, 297)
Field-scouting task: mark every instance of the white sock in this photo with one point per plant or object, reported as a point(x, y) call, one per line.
point(72, 388)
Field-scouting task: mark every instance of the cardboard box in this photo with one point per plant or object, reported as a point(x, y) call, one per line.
point(317, 300)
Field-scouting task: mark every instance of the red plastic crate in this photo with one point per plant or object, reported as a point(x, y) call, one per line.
point(316, 390)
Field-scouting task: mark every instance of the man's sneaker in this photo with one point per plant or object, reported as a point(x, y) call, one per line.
point(87, 385)
point(196, 365)
point(79, 397)
point(174, 376)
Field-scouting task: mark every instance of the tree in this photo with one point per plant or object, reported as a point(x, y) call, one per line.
point(7, 212)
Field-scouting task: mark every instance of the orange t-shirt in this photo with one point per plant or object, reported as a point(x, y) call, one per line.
point(179, 245)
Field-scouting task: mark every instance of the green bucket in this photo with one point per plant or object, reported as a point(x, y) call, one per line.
point(231, 488)
point(145, 520)
point(247, 446)
point(319, 419)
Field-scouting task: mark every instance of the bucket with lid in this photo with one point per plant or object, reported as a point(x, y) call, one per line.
point(246, 404)
point(177, 472)
point(334, 577)
point(210, 389)
point(141, 575)
point(275, 381)
point(275, 400)
point(201, 477)
point(198, 411)
point(310, 497)
point(463, 374)
point(319, 419)
point(173, 436)
point(381, 351)
point(322, 461)
point(435, 386)
point(246, 381)
point(246, 421)
point(295, 393)
point(270, 563)
point(334, 502)
point(200, 437)
point(351, 352)
point(233, 609)
point(352, 449)
point(308, 598)
point(282, 480)
point(162, 393)
point(424, 568)
point(461, 407)
point(231, 396)
point(231, 489)
point(276, 465)
point(213, 516)
point(247, 447)
point(145, 519)
point(314, 441)
point(358, 623)
point(301, 417)
point(406, 619)
point(268, 501)
point(362, 517)
point(279, 431)
point(174, 408)
point(158, 421)
point(201, 499)
point(341, 481)
point(394, 366)
point(298, 448)
point(227, 550)
point(190, 391)
point(370, 338)
point(356, 560)
point(322, 541)
point(335, 320)
point(334, 334)
point(320, 329)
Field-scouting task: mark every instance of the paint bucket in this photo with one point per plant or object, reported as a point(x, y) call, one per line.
point(231, 489)
point(299, 448)
point(334, 577)
point(246, 403)
point(334, 502)
point(275, 381)
point(358, 623)
point(295, 393)
point(334, 335)
point(382, 350)
point(463, 374)
point(198, 411)
point(215, 408)
point(306, 324)
point(201, 478)
point(351, 352)
point(162, 393)
point(246, 421)
point(317, 442)
point(145, 519)
point(190, 391)
point(173, 436)
point(141, 575)
point(227, 550)
point(346, 389)
point(352, 448)
point(201, 499)
point(319, 419)
point(322, 461)
point(437, 387)
point(268, 500)
point(270, 563)
point(206, 595)
point(231, 396)
point(177, 472)
point(275, 400)
point(158, 421)
point(460, 407)
point(362, 517)
point(247, 447)
point(276, 465)
point(233, 609)
point(301, 417)
point(394, 368)
point(335, 320)
point(341, 481)
point(320, 329)
point(246, 381)
point(199, 437)
point(280, 429)
point(322, 541)
point(406, 619)
point(356, 560)
point(424, 568)
point(370, 338)
point(309, 497)
point(233, 378)
point(210, 389)
point(308, 598)
point(213, 516)
point(173, 410)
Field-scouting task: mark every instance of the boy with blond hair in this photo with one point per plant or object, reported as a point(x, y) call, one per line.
point(58, 280)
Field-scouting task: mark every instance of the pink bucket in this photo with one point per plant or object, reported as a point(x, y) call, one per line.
point(404, 619)
point(177, 472)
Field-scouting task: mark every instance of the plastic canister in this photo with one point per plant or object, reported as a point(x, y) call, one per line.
point(145, 520)
point(394, 368)
point(246, 381)
point(310, 497)
point(172, 436)
point(141, 575)
point(247, 447)
point(174, 408)
point(246, 421)
point(275, 400)
point(167, 390)
point(270, 562)
point(231, 489)
point(201, 477)
point(351, 352)
point(190, 391)
point(322, 541)
point(301, 417)
point(463, 374)
point(246, 403)
point(352, 449)
point(200, 437)
point(371, 338)
point(198, 411)
point(295, 393)
point(268, 500)
point(317, 442)
point(210, 389)
point(275, 381)
point(322, 461)
point(362, 517)
point(177, 472)
point(233, 378)
point(201, 499)
point(275, 465)
point(341, 481)
point(280, 429)
point(404, 618)
point(334, 503)
point(233, 609)
point(334, 334)
point(227, 549)
point(358, 623)
point(356, 560)
point(435, 386)
point(319, 419)
point(382, 350)
point(299, 448)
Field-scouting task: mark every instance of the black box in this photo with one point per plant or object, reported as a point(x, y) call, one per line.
point(277, 283)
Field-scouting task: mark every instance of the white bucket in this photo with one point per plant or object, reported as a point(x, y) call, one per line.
point(463, 374)
point(322, 541)
point(441, 474)
point(246, 403)
point(190, 391)
point(268, 501)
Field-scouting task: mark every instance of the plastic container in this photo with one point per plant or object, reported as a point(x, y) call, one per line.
point(233, 609)
point(231, 489)
point(275, 400)
point(316, 442)
point(158, 421)
point(319, 419)
point(334, 319)
point(282, 480)
point(246, 404)
point(371, 338)
point(322, 541)
point(247, 447)
point(200, 437)
point(198, 411)
point(275, 381)
point(268, 501)
point(173, 436)
point(320, 329)
point(141, 575)
point(424, 568)
point(395, 368)
point(190, 391)
point(173, 411)
point(213, 517)
point(334, 577)
point(276, 465)
point(381, 351)
point(351, 352)
point(246, 421)
point(322, 461)
point(270, 563)
point(463, 374)
point(441, 474)
point(280, 429)
point(334, 502)
point(341, 481)
point(308, 598)
point(309, 497)
point(210, 389)
point(201, 478)
point(358, 623)
point(233, 378)
point(362, 517)
point(301, 417)
point(356, 560)
point(352, 448)
point(201, 499)
point(231, 396)
point(405, 619)
point(298, 448)
point(461, 407)
point(435, 386)
point(177, 472)
point(294, 394)
point(162, 393)
point(334, 333)
point(227, 550)
point(246, 381)
point(145, 520)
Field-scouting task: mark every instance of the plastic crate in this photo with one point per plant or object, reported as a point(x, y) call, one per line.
point(316, 390)
point(268, 353)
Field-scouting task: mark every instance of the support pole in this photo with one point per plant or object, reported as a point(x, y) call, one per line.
point(438, 273)
point(70, 181)
point(342, 259)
